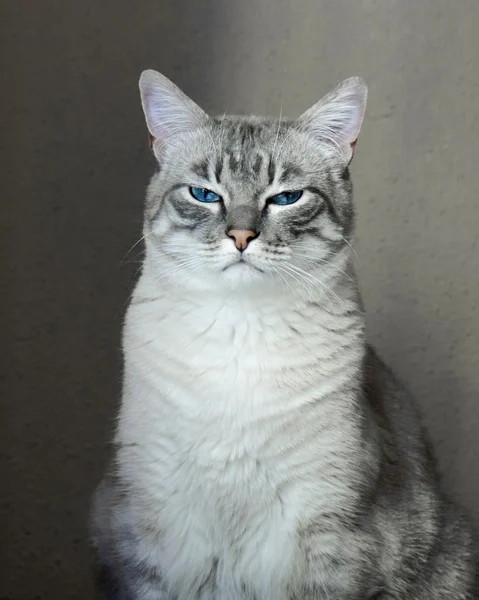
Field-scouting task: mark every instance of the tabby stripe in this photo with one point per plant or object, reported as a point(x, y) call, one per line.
point(290, 171)
point(173, 188)
point(271, 170)
point(328, 202)
point(219, 170)
point(201, 169)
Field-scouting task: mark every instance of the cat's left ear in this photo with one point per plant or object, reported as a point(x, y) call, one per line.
point(336, 119)
point(168, 111)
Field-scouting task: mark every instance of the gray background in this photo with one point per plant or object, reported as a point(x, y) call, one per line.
point(75, 162)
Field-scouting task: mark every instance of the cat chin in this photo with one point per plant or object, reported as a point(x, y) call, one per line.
point(242, 274)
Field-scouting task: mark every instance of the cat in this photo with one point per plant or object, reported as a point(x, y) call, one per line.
point(263, 450)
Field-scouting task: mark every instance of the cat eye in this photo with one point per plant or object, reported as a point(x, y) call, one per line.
point(286, 198)
point(204, 195)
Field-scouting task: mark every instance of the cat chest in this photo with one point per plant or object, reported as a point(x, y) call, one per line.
point(248, 378)
point(236, 524)
point(229, 518)
point(228, 431)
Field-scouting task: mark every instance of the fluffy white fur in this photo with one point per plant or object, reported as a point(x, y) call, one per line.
point(214, 387)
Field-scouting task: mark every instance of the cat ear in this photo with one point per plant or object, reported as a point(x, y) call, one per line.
point(168, 111)
point(337, 118)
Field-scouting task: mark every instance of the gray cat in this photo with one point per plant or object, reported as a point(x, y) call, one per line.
point(263, 450)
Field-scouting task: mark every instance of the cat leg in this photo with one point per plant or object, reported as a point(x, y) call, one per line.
point(127, 581)
point(137, 559)
point(107, 584)
point(121, 573)
point(143, 584)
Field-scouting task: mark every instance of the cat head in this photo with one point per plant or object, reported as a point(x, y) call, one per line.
point(250, 201)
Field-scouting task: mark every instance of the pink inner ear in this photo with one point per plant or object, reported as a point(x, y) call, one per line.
point(353, 147)
point(151, 141)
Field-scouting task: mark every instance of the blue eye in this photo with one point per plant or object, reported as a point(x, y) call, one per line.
point(204, 195)
point(286, 198)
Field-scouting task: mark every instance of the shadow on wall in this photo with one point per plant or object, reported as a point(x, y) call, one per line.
point(73, 186)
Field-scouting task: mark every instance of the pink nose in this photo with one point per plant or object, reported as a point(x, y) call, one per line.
point(242, 237)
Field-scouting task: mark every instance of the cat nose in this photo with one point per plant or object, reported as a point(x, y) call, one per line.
point(241, 237)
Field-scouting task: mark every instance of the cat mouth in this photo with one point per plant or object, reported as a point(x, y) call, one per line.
point(241, 263)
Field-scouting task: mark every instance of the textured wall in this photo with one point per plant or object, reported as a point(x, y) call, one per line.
point(74, 167)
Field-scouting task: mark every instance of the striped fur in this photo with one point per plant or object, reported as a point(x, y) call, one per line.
point(263, 451)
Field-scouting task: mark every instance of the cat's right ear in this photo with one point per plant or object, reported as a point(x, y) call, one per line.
point(168, 111)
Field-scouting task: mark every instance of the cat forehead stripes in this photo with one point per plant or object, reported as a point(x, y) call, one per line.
point(245, 147)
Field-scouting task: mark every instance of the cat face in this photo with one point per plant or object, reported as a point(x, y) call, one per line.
point(248, 200)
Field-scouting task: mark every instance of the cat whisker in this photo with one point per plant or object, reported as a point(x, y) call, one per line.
point(314, 280)
point(182, 264)
point(280, 149)
point(283, 278)
point(279, 127)
point(298, 277)
point(309, 261)
point(131, 291)
point(352, 249)
point(143, 237)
